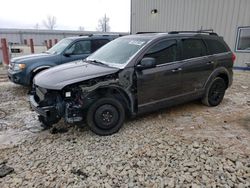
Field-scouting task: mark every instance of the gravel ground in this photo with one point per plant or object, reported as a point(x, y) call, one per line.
point(189, 145)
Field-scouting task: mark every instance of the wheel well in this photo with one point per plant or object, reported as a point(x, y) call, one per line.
point(225, 78)
point(36, 72)
point(118, 93)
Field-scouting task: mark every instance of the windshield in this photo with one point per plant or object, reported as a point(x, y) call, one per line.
point(59, 47)
point(118, 52)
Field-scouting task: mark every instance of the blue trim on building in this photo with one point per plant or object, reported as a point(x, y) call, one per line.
point(242, 68)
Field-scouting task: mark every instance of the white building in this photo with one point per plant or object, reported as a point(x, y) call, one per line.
point(228, 18)
point(22, 36)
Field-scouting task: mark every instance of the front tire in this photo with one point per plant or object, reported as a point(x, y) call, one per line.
point(45, 123)
point(105, 116)
point(215, 92)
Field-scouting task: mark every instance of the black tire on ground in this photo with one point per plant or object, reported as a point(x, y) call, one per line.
point(105, 116)
point(215, 92)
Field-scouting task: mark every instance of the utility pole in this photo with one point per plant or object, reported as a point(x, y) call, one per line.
point(105, 24)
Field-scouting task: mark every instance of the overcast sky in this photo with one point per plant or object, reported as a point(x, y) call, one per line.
point(70, 14)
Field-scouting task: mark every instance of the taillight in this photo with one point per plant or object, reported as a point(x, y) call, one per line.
point(233, 57)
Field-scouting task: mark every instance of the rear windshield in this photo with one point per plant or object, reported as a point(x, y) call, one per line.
point(215, 46)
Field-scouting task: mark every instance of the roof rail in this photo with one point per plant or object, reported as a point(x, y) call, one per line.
point(146, 32)
point(81, 35)
point(208, 31)
point(104, 35)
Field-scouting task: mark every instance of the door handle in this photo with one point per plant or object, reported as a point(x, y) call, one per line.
point(177, 70)
point(210, 62)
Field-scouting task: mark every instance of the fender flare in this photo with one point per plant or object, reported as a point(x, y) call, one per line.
point(216, 73)
point(41, 67)
point(127, 96)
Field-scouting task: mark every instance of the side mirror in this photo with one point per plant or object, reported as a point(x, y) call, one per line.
point(146, 63)
point(67, 53)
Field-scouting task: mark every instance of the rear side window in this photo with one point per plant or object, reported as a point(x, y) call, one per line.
point(215, 46)
point(96, 44)
point(163, 52)
point(192, 48)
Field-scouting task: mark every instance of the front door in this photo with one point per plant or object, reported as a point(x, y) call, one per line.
point(79, 50)
point(157, 84)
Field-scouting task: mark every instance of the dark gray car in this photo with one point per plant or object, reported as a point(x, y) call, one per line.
point(23, 69)
point(133, 75)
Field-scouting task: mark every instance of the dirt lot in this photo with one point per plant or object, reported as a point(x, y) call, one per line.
point(189, 145)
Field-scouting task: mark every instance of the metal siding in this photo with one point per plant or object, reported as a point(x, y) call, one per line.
point(224, 16)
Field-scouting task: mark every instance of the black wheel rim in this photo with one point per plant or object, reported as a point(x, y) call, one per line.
point(106, 116)
point(216, 92)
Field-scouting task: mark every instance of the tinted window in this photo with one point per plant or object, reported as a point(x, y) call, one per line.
point(215, 47)
point(96, 44)
point(193, 48)
point(163, 52)
point(80, 47)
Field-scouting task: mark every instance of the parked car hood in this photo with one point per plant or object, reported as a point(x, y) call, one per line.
point(32, 58)
point(60, 76)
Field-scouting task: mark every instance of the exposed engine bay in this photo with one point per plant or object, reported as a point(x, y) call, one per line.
point(72, 102)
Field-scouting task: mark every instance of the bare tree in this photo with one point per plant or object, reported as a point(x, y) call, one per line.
point(103, 24)
point(36, 26)
point(81, 28)
point(50, 22)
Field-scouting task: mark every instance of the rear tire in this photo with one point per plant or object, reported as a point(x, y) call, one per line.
point(215, 92)
point(105, 116)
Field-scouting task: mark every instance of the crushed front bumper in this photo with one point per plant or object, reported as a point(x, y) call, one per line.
point(46, 111)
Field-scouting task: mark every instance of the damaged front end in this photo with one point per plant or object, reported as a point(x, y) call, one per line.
point(72, 102)
point(48, 104)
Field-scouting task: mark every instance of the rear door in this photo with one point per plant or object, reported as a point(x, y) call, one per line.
point(219, 52)
point(98, 43)
point(196, 64)
point(163, 81)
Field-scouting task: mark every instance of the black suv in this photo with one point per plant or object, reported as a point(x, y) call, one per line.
point(23, 69)
point(132, 75)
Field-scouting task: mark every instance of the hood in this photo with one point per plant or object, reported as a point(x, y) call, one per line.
point(60, 76)
point(31, 58)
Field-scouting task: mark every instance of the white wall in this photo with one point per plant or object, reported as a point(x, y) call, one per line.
point(224, 16)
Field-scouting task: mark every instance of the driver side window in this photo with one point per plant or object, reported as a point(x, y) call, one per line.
point(163, 52)
point(80, 47)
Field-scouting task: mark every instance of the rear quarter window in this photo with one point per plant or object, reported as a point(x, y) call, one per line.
point(215, 46)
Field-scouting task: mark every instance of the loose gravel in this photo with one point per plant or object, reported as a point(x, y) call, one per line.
point(188, 145)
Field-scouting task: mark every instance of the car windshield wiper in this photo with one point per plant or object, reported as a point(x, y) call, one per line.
point(96, 62)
